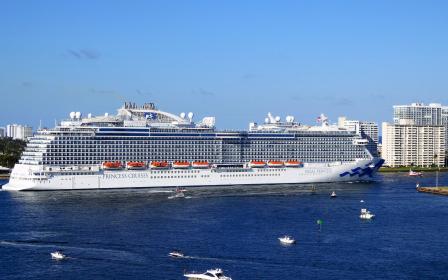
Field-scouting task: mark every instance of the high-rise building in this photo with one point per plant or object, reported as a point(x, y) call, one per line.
point(367, 128)
point(421, 114)
point(408, 145)
point(2, 132)
point(418, 114)
point(17, 131)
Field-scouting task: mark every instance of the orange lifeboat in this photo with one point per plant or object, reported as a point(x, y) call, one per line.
point(275, 163)
point(111, 165)
point(135, 165)
point(200, 164)
point(257, 163)
point(159, 164)
point(293, 163)
point(181, 164)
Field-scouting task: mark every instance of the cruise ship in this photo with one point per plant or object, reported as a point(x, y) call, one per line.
point(144, 147)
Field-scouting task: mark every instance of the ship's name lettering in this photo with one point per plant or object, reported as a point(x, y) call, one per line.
point(125, 176)
point(314, 171)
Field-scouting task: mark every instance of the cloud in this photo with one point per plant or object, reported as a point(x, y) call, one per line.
point(248, 76)
point(341, 101)
point(324, 99)
point(144, 93)
point(84, 54)
point(203, 92)
point(102, 91)
point(27, 84)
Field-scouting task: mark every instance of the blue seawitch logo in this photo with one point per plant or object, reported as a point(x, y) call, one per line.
point(368, 170)
point(151, 116)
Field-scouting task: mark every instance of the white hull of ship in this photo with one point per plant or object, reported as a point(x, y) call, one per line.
point(21, 178)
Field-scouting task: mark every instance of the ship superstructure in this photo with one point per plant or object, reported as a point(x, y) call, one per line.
point(143, 146)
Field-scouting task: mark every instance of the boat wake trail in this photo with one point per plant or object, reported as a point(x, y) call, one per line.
point(82, 253)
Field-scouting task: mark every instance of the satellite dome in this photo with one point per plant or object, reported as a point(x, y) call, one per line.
point(266, 120)
point(190, 115)
point(106, 114)
point(182, 115)
point(72, 115)
point(89, 115)
point(78, 115)
point(277, 119)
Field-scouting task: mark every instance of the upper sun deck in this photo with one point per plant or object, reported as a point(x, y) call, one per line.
point(148, 117)
point(131, 115)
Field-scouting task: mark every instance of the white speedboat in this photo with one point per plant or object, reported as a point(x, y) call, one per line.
point(415, 173)
point(176, 254)
point(211, 274)
point(58, 255)
point(333, 195)
point(287, 240)
point(179, 193)
point(366, 215)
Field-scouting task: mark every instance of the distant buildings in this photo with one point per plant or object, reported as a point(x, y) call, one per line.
point(17, 131)
point(419, 114)
point(366, 129)
point(418, 135)
point(2, 132)
point(408, 145)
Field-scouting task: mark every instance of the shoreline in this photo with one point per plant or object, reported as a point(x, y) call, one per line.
point(434, 190)
point(416, 169)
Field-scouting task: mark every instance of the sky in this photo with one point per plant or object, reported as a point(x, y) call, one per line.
point(236, 60)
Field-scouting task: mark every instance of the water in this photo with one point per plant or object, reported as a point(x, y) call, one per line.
point(128, 234)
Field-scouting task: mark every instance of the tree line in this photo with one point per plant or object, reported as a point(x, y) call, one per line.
point(10, 151)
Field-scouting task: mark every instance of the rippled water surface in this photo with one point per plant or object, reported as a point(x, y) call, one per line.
point(128, 234)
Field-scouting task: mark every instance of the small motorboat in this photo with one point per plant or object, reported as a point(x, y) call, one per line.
point(211, 274)
point(333, 195)
point(366, 215)
point(287, 240)
point(176, 254)
point(179, 193)
point(58, 255)
point(415, 173)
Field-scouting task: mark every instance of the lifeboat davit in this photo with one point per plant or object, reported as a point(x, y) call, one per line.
point(257, 163)
point(181, 164)
point(293, 163)
point(135, 165)
point(200, 164)
point(111, 165)
point(275, 163)
point(159, 164)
